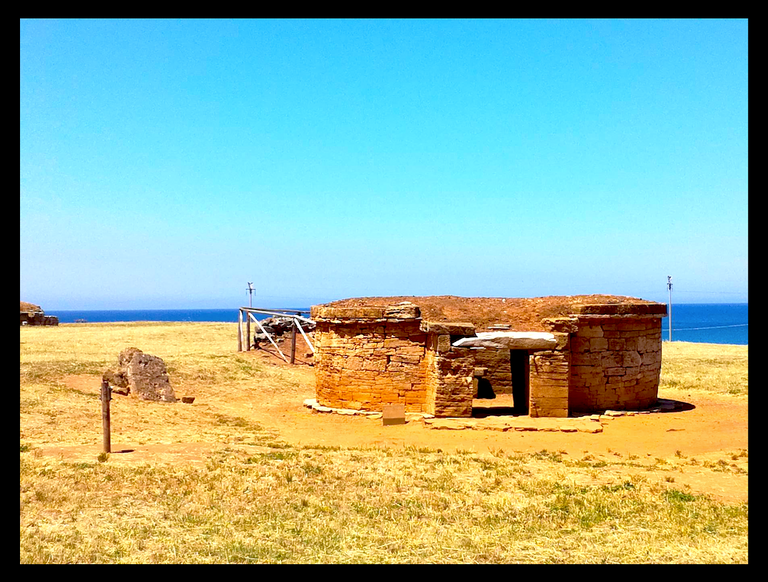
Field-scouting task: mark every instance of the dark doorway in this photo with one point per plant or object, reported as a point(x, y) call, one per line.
point(484, 389)
point(509, 396)
point(519, 363)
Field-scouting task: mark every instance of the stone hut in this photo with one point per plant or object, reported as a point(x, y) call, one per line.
point(32, 314)
point(555, 355)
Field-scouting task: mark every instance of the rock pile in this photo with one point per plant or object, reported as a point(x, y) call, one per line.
point(277, 326)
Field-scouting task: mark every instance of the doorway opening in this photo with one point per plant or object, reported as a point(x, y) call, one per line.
point(520, 366)
point(504, 388)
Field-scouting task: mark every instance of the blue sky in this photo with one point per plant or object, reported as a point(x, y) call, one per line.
point(166, 163)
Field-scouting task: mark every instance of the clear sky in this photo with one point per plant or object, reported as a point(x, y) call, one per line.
point(167, 163)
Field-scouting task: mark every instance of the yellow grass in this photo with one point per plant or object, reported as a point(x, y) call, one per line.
point(258, 499)
point(707, 367)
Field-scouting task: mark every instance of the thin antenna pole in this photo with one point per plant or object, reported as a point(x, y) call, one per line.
point(250, 292)
point(669, 287)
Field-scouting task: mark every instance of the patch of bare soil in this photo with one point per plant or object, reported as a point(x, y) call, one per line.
point(694, 444)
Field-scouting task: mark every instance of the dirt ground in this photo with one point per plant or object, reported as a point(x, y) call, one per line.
point(681, 444)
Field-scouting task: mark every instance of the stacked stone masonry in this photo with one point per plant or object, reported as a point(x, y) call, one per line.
point(597, 357)
point(360, 364)
point(615, 363)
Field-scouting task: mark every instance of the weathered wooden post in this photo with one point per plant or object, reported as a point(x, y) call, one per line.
point(240, 330)
point(293, 340)
point(248, 338)
point(106, 396)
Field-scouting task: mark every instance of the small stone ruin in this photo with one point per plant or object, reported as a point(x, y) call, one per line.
point(32, 314)
point(142, 374)
point(277, 326)
point(556, 356)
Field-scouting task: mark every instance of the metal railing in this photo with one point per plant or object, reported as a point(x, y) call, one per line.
point(249, 314)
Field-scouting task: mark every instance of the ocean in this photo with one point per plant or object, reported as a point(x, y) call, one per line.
point(711, 323)
point(708, 323)
point(118, 315)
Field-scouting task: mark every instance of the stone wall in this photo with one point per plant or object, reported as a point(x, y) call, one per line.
point(450, 376)
point(615, 363)
point(599, 356)
point(498, 371)
point(550, 378)
point(368, 357)
point(38, 318)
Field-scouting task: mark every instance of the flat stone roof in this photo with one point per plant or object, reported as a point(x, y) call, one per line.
point(519, 314)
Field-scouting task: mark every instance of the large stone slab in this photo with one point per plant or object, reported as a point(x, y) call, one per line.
point(512, 340)
point(448, 327)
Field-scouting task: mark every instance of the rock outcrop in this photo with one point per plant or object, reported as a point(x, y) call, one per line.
point(142, 374)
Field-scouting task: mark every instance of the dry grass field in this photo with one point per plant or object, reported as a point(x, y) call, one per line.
point(246, 474)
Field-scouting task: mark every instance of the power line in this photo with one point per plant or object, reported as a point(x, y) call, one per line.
point(714, 292)
point(711, 327)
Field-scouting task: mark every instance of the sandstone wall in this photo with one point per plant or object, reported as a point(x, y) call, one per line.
point(363, 365)
point(615, 363)
point(498, 369)
point(366, 357)
point(602, 356)
point(450, 376)
point(549, 381)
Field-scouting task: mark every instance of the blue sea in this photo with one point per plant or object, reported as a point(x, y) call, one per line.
point(708, 323)
point(712, 323)
point(210, 315)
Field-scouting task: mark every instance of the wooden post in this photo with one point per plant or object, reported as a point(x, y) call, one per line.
point(106, 396)
point(293, 341)
point(240, 331)
point(247, 334)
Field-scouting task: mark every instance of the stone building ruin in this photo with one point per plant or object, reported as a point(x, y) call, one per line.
point(32, 314)
point(556, 356)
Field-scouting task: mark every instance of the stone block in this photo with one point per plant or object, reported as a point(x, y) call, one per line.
point(549, 409)
point(616, 345)
point(598, 344)
point(443, 343)
point(393, 414)
point(631, 359)
point(590, 331)
point(612, 359)
point(405, 310)
point(580, 344)
point(566, 325)
point(448, 327)
point(586, 359)
point(622, 309)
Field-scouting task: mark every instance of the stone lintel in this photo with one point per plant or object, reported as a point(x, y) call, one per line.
point(448, 328)
point(625, 309)
point(511, 340)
